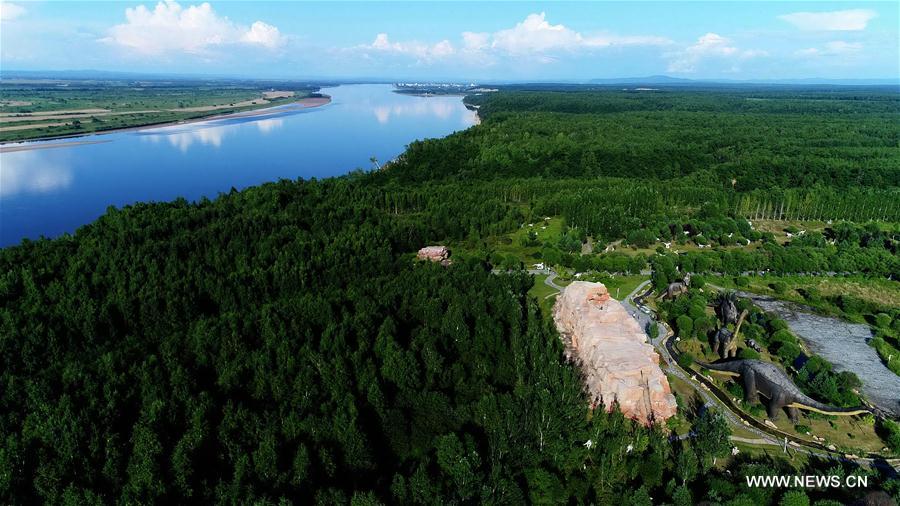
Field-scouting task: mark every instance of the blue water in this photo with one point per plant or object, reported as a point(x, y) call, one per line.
point(47, 192)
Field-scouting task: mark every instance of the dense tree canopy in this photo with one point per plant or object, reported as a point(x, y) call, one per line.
point(280, 344)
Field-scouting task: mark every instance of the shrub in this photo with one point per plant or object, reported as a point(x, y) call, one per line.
point(810, 293)
point(851, 305)
point(794, 498)
point(685, 326)
point(698, 282)
point(697, 311)
point(777, 324)
point(788, 352)
point(734, 389)
point(685, 360)
point(742, 281)
point(891, 434)
point(749, 354)
point(779, 287)
point(783, 336)
point(803, 429)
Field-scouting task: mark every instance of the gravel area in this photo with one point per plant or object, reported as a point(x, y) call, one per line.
point(843, 344)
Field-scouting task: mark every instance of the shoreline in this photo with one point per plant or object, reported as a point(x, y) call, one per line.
point(43, 142)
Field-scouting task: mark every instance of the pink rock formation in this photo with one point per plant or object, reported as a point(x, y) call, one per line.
point(435, 254)
point(612, 350)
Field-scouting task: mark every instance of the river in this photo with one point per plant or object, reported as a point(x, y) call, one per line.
point(48, 192)
point(843, 344)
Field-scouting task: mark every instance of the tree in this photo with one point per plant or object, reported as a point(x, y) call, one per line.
point(685, 464)
point(711, 437)
point(685, 360)
point(794, 498)
point(685, 326)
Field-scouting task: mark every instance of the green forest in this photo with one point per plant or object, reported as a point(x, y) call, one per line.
point(281, 345)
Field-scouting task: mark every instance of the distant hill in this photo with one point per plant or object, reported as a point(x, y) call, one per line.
point(675, 81)
point(643, 80)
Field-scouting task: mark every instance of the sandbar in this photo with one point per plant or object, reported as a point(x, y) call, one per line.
point(303, 103)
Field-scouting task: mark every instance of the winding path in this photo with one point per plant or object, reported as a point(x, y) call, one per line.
point(843, 344)
point(645, 317)
point(764, 437)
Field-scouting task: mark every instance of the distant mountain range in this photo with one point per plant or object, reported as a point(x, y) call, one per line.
point(657, 80)
point(675, 81)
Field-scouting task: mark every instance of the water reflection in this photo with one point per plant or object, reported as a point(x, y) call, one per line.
point(267, 125)
point(51, 191)
point(184, 139)
point(32, 172)
point(434, 107)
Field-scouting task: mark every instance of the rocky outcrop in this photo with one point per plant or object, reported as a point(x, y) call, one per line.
point(618, 364)
point(435, 254)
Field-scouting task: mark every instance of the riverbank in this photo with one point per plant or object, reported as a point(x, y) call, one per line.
point(26, 145)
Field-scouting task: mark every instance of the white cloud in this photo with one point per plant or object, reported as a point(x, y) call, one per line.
point(833, 48)
point(536, 35)
point(534, 38)
point(10, 11)
point(476, 41)
point(709, 46)
point(196, 29)
point(852, 19)
point(421, 51)
point(263, 34)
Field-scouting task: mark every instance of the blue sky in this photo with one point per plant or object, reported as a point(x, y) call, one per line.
point(462, 40)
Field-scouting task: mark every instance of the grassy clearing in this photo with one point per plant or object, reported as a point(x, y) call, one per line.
point(849, 434)
point(890, 355)
point(547, 231)
point(540, 289)
point(544, 294)
point(619, 286)
point(687, 399)
point(876, 291)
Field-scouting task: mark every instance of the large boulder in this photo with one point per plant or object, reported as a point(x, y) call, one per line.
point(435, 254)
point(618, 364)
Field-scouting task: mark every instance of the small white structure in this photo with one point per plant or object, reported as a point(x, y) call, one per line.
point(539, 266)
point(667, 245)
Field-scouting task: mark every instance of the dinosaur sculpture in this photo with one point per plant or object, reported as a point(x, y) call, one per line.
point(725, 341)
point(726, 309)
point(677, 288)
point(767, 379)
